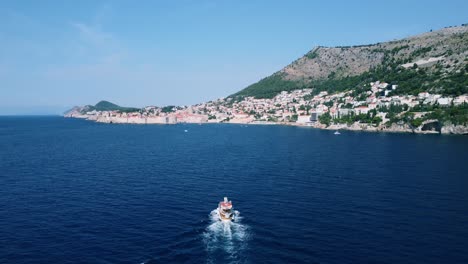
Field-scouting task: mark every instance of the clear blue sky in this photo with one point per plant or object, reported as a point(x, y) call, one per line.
point(57, 54)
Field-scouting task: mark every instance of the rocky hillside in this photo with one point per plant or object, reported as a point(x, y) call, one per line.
point(434, 61)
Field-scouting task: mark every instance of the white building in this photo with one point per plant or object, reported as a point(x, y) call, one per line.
point(361, 109)
point(444, 101)
point(303, 119)
point(460, 100)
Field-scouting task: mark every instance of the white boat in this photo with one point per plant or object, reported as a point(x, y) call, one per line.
point(225, 211)
point(337, 133)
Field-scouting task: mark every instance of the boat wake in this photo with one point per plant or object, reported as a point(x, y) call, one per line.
point(225, 240)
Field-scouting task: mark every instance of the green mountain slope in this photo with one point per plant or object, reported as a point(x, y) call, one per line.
point(434, 61)
point(108, 106)
point(100, 106)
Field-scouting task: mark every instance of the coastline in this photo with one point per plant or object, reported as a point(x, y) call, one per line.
point(405, 129)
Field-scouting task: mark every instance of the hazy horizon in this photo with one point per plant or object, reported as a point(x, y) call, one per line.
point(56, 55)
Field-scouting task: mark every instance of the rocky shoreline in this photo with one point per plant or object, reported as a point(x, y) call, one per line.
point(444, 130)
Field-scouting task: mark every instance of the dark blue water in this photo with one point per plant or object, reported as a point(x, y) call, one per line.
point(73, 191)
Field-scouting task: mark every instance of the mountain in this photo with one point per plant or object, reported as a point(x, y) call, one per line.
point(435, 61)
point(100, 106)
point(108, 106)
point(105, 106)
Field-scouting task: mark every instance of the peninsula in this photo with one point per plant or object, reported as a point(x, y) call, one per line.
point(418, 84)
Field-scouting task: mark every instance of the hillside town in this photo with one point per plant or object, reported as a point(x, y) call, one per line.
point(369, 110)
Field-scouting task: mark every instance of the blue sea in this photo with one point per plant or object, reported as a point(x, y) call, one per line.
point(75, 191)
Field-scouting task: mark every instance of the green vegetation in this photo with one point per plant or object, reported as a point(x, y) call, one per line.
point(305, 108)
point(410, 81)
point(293, 118)
point(457, 115)
point(168, 109)
point(416, 122)
point(397, 49)
point(272, 119)
point(369, 118)
point(441, 78)
point(325, 119)
point(312, 55)
point(269, 87)
point(394, 108)
point(419, 52)
point(108, 106)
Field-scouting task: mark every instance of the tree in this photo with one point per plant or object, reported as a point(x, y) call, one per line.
point(325, 119)
point(167, 109)
point(293, 118)
point(417, 122)
point(377, 120)
point(408, 117)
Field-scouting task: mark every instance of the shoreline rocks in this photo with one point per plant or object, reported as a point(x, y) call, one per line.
point(394, 128)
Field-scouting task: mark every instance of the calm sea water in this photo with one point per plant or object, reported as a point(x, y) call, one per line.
point(73, 191)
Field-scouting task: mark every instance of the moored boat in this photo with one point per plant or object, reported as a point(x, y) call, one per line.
point(225, 211)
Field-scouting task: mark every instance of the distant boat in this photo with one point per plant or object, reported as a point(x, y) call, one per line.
point(225, 211)
point(185, 130)
point(337, 133)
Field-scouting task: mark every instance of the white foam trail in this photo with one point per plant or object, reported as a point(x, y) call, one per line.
point(225, 239)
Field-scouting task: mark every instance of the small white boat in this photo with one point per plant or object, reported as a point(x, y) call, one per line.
point(185, 130)
point(337, 133)
point(225, 211)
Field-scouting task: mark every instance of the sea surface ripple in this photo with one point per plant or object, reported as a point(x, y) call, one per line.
point(74, 191)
